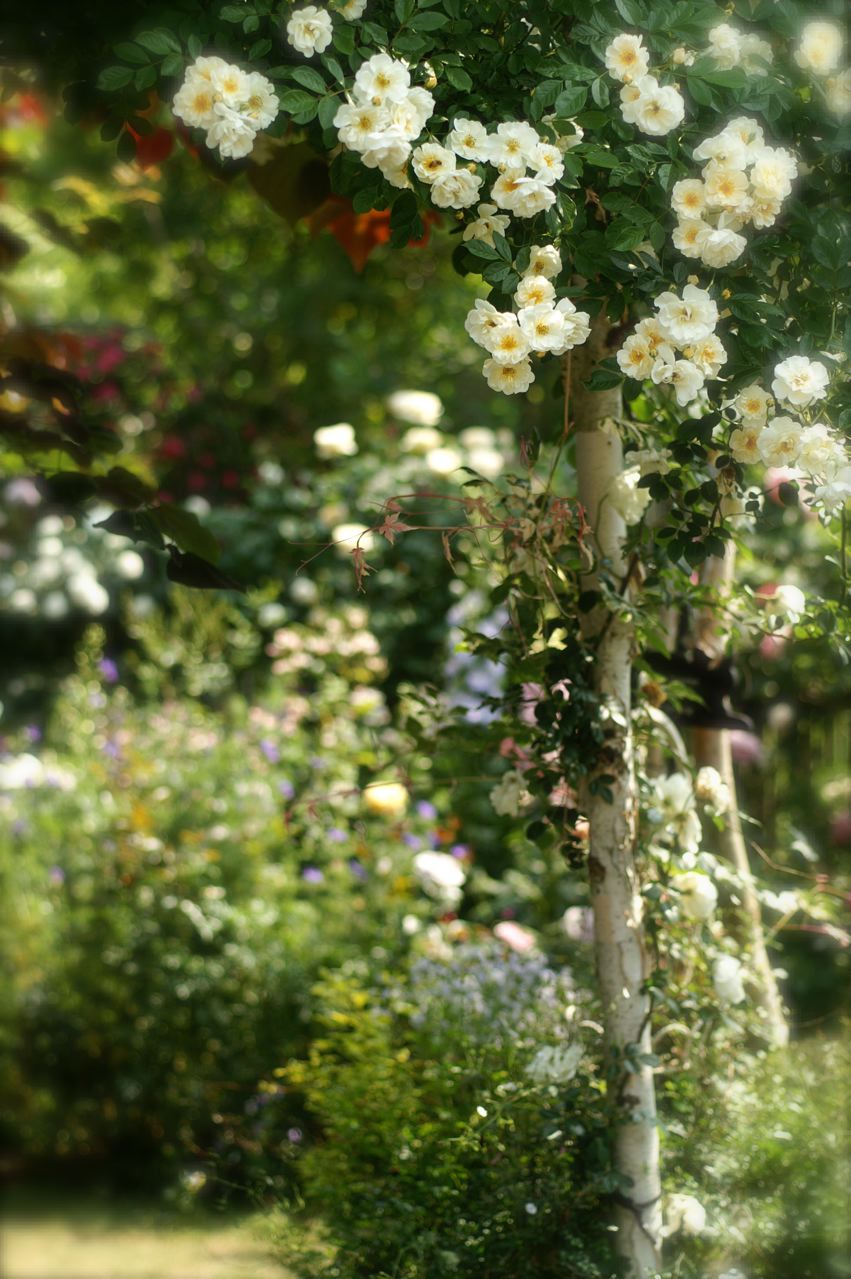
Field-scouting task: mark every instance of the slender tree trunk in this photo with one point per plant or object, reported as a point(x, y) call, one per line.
point(712, 747)
point(619, 937)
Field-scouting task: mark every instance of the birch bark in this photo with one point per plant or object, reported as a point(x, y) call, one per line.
point(621, 958)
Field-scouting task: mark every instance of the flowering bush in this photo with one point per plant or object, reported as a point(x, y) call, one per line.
point(178, 875)
point(447, 1149)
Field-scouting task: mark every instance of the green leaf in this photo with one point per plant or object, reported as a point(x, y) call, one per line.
point(429, 21)
point(344, 39)
point(145, 77)
point(132, 53)
point(571, 100)
point(328, 108)
point(159, 41)
point(603, 380)
point(310, 79)
point(112, 78)
point(251, 24)
point(334, 67)
point(172, 65)
point(300, 105)
point(232, 13)
point(480, 249)
point(457, 77)
point(600, 91)
point(259, 49)
point(184, 528)
point(136, 525)
point(403, 10)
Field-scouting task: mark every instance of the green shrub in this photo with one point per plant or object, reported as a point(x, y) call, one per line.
point(451, 1144)
point(175, 874)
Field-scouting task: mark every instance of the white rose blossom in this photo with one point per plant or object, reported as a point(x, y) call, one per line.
point(309, 30)
point(544, 259)
point(231, 104)
point(820, 47)
point(688, 318)
point(800, 381)
point(487, 224)
point(626, 58)
point(510, 379)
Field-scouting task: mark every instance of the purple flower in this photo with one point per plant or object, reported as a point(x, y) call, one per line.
point(112, 749)
point(337, 836)
point(312, 875)
point(270, 750)
point(318, 762)
point(357, 869)
point(286, 789)
point(32, 732)
point(413, 841)
point(426, 809)
point(20, 826)
point(460, 851)
point(56, 875)
point(295, 1135)
point(108, 670)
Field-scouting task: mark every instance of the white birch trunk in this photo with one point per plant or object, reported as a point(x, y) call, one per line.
point(619, 937)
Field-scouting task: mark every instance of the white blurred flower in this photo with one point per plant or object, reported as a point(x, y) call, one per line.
point(335, 441)
point(727, 979)
point(421, 440)
point(388, 799)
point(555, 1063)
point(443, 461)
point(350, 537)
point(510, 795)
point(684, 1213)
point(130, 565)
point(698, 894)
point(626, 497)
point(421, 408)
point(712, 790)
point(441, 876)
point(820, 47)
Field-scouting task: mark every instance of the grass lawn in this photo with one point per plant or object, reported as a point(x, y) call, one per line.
point(79, 1239)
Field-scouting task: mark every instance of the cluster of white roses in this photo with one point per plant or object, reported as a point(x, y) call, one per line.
point(785, 441)
point(310, 30)
point(820, 49)
point(655, 108)
point(743, 181)
point(383, 117)
point(686, 324)
point(540, 324)
point(231, 104)
point(728, 48)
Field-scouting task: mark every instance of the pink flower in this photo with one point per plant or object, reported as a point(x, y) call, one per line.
point(515, 936)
